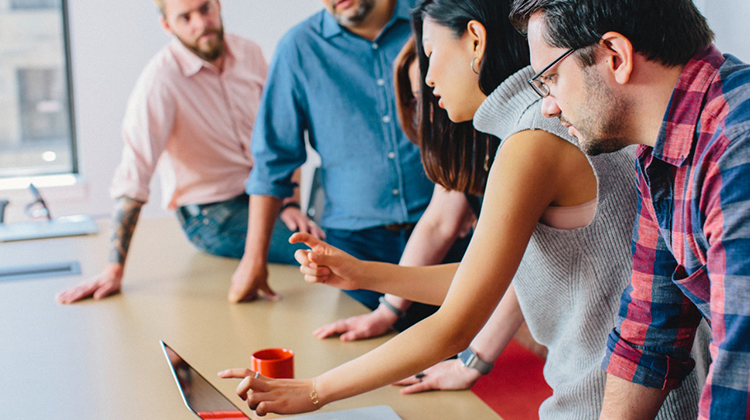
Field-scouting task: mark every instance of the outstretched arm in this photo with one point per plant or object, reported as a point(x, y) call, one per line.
point(505, 227)
point(278, 150)
point(446, 218)
point(328, 265)
point(146, 128)
point(127, 211)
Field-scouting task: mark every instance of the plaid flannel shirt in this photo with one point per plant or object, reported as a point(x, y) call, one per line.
point(691, 242)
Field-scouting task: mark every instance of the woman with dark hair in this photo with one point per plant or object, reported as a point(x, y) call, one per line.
point(442, 233)
point(448, 218)
point(554, 222)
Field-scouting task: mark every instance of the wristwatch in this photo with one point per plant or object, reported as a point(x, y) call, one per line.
point(399, 313)
point(471, 360)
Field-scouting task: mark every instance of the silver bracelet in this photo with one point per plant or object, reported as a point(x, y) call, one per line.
point(399, 313)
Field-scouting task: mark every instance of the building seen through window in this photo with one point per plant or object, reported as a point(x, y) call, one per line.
point(34, 4)
point(36, 131)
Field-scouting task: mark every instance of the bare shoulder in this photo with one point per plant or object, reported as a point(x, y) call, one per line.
point(543, 150)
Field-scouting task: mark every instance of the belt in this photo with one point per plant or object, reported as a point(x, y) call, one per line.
point(193, 210)
point(399, 227)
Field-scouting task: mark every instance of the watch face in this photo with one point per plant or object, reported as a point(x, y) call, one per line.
point(468, 358)
point(471, 360)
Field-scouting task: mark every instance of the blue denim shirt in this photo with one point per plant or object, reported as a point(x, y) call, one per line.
point(338, 88)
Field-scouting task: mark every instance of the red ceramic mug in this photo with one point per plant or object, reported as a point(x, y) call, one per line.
point(273, 363)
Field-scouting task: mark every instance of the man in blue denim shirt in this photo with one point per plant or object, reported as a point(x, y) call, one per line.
point(331, 78)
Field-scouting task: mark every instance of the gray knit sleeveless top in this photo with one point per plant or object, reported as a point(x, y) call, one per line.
point(570, 281)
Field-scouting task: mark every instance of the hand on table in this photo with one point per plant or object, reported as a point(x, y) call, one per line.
point(249, 281)
point(326, 264)
point(446, 375)
point(374, 324)
point(266, 395)
point(106, 283)
point(296, 221)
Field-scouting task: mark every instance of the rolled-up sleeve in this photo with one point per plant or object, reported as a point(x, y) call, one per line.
point(146, 128)
point(656, 322)
point(278, 141)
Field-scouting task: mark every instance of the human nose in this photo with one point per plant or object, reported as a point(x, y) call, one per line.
point(550, 108)
point(429, 81)
point(200, 23)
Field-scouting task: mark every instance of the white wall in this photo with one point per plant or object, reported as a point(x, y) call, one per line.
point(729, 21)
point(113, 39)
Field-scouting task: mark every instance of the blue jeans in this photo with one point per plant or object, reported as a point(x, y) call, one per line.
point(380, 244)
point(221, 229)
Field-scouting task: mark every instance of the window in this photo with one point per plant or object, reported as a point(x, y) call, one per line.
point(37, 130)
point(35, 4)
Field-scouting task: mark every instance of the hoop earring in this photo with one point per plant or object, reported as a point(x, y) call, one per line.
point(472, 65)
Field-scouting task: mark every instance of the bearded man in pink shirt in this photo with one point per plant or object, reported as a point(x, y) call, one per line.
point(193, 106)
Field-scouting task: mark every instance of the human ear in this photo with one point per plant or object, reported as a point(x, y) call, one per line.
point(165, 25)
point(619, 56)
point(477, 34)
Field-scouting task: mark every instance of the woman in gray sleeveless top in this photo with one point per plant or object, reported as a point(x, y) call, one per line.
point(566, 283)
point(569, 282)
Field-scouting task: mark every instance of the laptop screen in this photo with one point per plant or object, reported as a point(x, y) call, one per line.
point(207, 402)
point(200, 396)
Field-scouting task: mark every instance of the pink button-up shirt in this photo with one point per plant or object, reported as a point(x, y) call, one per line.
point(195, 122)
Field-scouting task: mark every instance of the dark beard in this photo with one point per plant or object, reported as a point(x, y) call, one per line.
point(364, 9)
point(598, 146)
point(602, 133)
point(215, 51)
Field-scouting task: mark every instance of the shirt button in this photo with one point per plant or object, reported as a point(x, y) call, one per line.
point(391, 155)
point(206, 222)
point(375, 46)
point(381, 82)
point(386, 119)
point(204, 212)
point(395, 191)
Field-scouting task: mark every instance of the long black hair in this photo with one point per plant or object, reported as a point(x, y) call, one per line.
point(454, 154)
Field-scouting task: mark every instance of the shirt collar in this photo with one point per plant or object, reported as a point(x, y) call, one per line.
point(190, 64)
point(330, 27)
point(677, 133)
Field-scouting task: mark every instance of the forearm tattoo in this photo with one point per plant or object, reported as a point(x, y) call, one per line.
point(124, 219)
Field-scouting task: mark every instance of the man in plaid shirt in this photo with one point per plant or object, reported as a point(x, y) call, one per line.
point(645, 72)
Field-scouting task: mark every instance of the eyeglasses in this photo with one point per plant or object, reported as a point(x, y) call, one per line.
point(536, 82)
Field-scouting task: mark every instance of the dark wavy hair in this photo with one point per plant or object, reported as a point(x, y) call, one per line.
point(406, 103)
point(669, 32)
point(454, 153)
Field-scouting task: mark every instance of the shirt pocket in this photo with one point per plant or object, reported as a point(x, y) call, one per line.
point(697, 288)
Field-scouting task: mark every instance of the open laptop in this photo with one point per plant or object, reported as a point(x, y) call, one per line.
point(207, 402)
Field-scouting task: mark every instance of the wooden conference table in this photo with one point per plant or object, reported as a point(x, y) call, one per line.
point(102, 359)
